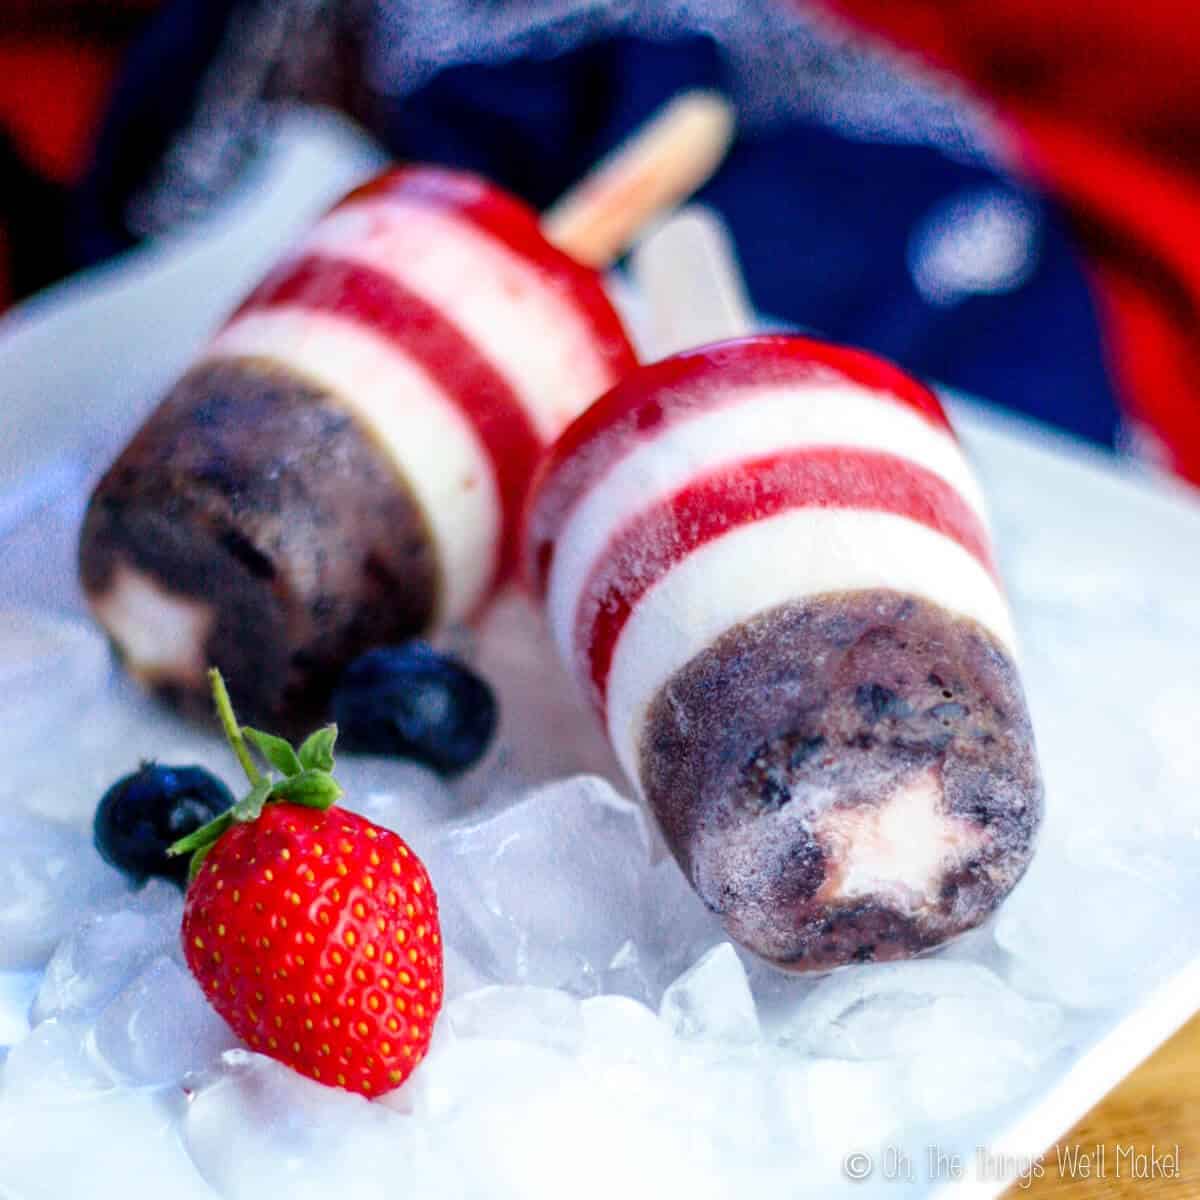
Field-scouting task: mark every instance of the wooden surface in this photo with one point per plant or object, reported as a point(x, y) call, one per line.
point(1158, 1105)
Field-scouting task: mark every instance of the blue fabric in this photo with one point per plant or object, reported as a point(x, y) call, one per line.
point(825, 225)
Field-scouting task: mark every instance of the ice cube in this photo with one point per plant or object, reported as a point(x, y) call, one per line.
point(966, 1040)
point(17, 990)
point(49, 873)
point(631, 973)
point(160, 1027)
point(594, 1142)
point(618, 1030)
point(107, 949)
point(110, 737)
point(543, 1016)
point(460, 975)
point(49, 667)
point(777, 996)
point(105, 1146)
point(534, 1118)
point(538, 1121)
point(401, 796)
point(55, 1063)
point(547, 890)
point(834, 1108)
point(1170, 722)
point(473, 1075)
point(254, 1128)
point(1125, 733)
point(712, 1000)
point(724, 1093)
point(678, 929)
point(1079, 776)
point(881, 1011)
point(1091, 933)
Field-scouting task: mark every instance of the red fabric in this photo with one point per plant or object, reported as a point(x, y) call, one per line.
point(52, 93)
point(1103, 96)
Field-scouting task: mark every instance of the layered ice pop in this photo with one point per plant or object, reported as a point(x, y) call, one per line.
point(769, 564)
point(344, 464)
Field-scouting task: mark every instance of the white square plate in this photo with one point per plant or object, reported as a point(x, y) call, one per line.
point(1104, 571)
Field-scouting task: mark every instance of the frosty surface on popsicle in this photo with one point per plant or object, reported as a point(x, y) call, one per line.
point(769, 563)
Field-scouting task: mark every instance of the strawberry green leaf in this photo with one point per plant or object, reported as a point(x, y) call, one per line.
point(316, 753)
point(250, 806)
point(313, 789)
point(206, 835)
point(198, 860)
point(275, 750)
point(306, 776)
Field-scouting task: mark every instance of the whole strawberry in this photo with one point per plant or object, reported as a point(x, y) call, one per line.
point(312, 931)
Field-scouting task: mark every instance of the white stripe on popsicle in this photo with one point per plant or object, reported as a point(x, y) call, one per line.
point(531, 333)
point(757, 567)
point(420, 428)
point(755, 422)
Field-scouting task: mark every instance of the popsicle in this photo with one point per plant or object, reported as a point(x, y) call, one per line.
point(344, 464)
point(769, 564)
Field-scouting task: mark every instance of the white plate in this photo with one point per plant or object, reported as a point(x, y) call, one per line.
point(1103, 568)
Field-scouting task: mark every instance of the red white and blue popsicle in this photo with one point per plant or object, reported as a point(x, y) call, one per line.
point(768, 562)
point(345, 463)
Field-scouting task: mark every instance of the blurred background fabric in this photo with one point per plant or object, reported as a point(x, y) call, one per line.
point(998, 195)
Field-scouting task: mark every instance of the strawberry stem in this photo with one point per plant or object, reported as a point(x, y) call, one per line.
point(307, 776)
point(233, 731)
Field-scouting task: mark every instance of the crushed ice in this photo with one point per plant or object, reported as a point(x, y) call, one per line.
point(600, 1033)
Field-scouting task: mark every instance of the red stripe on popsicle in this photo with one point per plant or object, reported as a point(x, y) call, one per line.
point(644, 405)
point(514, 224)
point(378, 302)
point(648, 546)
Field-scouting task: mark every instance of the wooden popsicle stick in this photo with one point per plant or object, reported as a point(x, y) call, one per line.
point(687, 272)
point(664, 162)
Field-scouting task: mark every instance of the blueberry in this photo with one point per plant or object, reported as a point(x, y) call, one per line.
point(143, 813)
point(412, 702)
